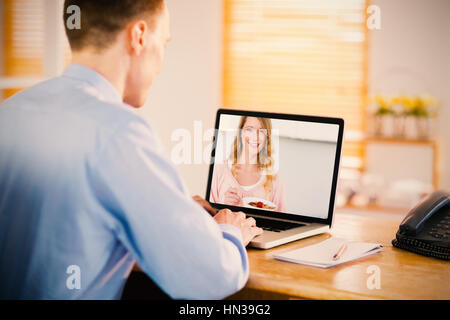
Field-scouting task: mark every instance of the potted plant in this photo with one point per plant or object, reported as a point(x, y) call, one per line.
point(419, 112)
point(383, 117)
point(399, 120)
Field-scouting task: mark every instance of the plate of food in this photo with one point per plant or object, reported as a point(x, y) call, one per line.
point(259, 203)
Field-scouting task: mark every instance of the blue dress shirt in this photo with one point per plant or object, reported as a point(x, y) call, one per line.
point(86, 191)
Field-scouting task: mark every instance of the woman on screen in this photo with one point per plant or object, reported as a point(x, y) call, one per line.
point(248, 179)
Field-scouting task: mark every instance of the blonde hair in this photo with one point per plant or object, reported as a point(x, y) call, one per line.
point(264, 157)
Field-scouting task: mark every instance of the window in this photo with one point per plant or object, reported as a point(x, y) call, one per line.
point(33, 41)
point(299, 56)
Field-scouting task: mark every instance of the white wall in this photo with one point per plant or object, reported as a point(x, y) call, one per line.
point(189, 86)
point(306, 169)
point(411, 54)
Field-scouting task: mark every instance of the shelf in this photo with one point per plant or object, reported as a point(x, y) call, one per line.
point(373, 207)
point(429, 142)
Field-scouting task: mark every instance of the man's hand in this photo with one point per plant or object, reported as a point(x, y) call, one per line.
point(205, 204)
point(247, 226)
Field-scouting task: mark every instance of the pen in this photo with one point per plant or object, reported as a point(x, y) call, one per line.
point(338, 254)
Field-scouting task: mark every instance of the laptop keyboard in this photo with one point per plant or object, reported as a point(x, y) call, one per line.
point(275, 225)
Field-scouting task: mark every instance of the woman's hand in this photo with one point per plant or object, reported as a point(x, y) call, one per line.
point(232, 197)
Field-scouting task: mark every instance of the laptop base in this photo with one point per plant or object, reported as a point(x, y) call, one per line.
point(270, 239)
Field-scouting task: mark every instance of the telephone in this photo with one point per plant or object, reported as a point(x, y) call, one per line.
point(426, 228)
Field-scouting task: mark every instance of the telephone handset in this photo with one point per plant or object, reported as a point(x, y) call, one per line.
point(426, 228)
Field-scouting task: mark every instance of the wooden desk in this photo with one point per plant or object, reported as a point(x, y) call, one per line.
point(404, 275)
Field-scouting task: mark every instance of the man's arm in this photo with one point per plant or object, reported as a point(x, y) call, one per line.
point(172, 238)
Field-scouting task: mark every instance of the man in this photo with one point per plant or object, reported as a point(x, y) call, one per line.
point(85, 190)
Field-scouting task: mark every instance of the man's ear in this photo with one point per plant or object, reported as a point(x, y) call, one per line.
point(137, 34)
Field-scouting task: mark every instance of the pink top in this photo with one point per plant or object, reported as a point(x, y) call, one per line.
point(223, 179)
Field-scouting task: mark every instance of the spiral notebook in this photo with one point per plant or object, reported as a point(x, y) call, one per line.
point(321, 254)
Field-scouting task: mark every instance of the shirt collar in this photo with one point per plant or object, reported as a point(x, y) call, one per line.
point(106, 90)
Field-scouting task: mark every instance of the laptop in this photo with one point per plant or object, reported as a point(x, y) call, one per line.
point(280, 169)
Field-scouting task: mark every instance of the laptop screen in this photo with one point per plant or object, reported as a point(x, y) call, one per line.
point(275, 165)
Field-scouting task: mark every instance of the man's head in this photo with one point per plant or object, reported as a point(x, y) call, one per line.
point(134, 33)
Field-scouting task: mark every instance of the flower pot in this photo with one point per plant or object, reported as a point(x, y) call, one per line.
point(399, 126)
point(418, 127)
point(424, 128)
point(384, 125)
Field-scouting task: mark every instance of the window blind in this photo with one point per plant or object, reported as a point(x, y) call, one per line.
point(298, 56)
point(24, 39)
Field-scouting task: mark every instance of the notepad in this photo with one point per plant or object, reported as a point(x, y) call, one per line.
point(321, 254)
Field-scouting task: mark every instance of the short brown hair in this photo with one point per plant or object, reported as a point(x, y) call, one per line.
point(102, 20)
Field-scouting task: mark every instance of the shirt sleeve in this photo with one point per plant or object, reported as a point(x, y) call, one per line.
point(174, 240)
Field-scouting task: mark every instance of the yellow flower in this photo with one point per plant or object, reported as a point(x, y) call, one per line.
point(383, 105)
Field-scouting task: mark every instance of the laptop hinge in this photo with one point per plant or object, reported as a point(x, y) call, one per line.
point(279, 219)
